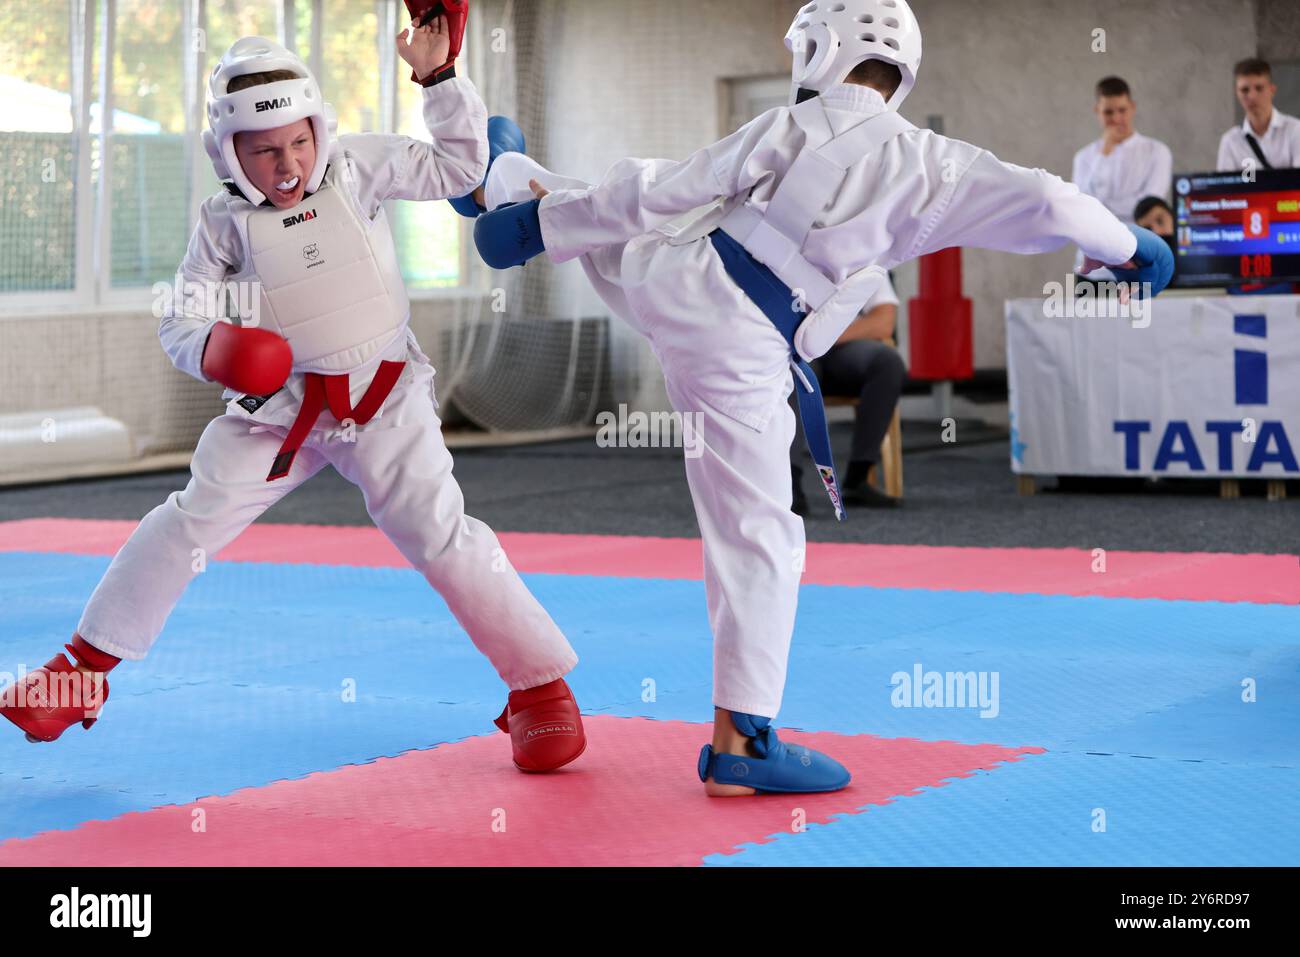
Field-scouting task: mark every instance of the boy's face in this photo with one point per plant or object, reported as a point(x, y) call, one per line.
point(1255, 94)
point(1115, 114)
point(281, 157)
point(1158, 220)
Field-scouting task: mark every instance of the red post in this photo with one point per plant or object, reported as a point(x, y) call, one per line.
point(939, 321)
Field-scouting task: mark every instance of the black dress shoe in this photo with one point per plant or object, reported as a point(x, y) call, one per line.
point(867, 495)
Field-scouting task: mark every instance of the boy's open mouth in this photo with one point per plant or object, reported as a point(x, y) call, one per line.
point(288, 187)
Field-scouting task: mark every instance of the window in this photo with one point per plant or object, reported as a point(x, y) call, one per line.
point(350, 50)
point(147, 181)
point(96, 208)
point(38, 180)
point(428, 235)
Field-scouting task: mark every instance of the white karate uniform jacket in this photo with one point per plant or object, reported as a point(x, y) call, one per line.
point(723, 359)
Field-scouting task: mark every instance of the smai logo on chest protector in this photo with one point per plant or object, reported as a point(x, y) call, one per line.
point(297, 218)
point(279, 103)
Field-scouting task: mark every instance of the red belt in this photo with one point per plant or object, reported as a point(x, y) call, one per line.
point(333, 390)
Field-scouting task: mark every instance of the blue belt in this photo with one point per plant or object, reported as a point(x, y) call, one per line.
point(779, 304)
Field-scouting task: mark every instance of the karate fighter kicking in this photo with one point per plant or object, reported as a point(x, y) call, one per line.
point(331, 375)
point(808, 206)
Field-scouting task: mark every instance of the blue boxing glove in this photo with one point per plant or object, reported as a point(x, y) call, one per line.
point(510, 235)
point(1155, 263)
point(503, 136)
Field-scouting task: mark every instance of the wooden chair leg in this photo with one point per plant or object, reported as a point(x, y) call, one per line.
point(1025, 484)
point(894, 464)
point(1276, 490)
point(1229, 488)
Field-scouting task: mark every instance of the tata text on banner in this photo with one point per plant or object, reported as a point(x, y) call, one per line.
point(1206, 386)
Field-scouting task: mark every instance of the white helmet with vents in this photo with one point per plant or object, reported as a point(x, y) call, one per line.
point(829, 39)
point(263, 107)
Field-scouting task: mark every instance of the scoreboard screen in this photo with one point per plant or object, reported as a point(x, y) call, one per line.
point(1231, 230)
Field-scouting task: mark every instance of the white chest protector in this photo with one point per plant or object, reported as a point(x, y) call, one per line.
point(330, 281)
point(776, 236)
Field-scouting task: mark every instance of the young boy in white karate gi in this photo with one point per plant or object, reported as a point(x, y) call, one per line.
point(809, 206)
point(331, 374)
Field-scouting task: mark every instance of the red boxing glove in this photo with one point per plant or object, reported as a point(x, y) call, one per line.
point(424, 12)
point(248, 360)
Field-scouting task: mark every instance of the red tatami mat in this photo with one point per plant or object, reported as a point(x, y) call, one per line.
point(465, 804)
point(1193, 576)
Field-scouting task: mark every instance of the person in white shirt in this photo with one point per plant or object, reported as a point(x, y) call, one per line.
point(1267, 138)
point(805, 208)
point(1123, 165)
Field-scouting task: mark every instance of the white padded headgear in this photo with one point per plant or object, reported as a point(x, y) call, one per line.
point(263, 107)
point(829, 39)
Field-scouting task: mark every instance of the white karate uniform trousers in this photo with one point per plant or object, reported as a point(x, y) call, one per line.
point(723, 359)
point(401, 464)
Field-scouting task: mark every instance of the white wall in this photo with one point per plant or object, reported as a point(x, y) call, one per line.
point(645, 79)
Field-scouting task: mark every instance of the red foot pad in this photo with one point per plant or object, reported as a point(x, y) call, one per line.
point(634, 800)
point(544, 726)
point(52, 699)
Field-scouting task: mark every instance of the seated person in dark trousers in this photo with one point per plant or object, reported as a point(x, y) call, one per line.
point(863, 366)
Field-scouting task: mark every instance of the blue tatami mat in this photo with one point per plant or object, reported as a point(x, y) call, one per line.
point(272, 671)
point(1050, 810)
